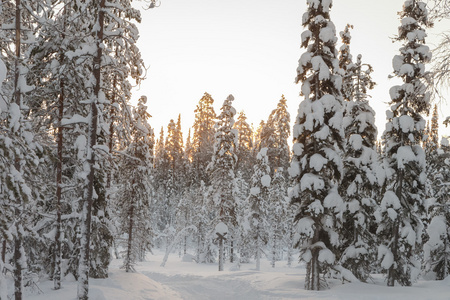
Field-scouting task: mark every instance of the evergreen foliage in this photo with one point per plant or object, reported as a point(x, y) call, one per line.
point(360, 159)
point(400, 214)
point(316, 167)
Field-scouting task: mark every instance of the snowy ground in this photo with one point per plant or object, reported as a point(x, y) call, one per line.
point(188, 280)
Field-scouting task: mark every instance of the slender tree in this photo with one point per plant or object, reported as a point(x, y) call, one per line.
point(399, 216)
point(221, 170)
point(316, 167)
point(258, 205)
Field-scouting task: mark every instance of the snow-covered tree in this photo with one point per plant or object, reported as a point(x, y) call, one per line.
point(278, 151)
point(17, 143)
point(258, 206)
point(437, 247)
point(221, 170)
point(402, 206)
point(279, 221)
point(245, 146)
point(133, 201)
point(360, 159)
point(316, 167)
point(203, 137)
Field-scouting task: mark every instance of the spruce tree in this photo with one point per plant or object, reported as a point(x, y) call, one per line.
point(360, 159)
point(437, 247)
point(279, 126)
point(203, 137)
point(245, 146)
point(399, 216)
point(316, 167)
point(258, 205)
point(221, 170)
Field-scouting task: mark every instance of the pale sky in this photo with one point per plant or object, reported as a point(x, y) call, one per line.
point(250, 48)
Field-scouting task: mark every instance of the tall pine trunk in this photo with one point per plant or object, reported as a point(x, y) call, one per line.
point(83, 279)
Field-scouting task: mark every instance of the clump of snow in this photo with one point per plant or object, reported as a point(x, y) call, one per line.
point(397, 62)
point(390, 199)
point(408, 21)
point(265, 180)
point(316, 208)
point(305, 226)
point(394, 93)
point(404, 155)
point(221, 228)
point(306, 35)
point(386, 255)
point(325, 255)
point(333, 200)
point(14, 116)
point(355, 141)
point(311, 182)
point(406, 123)
point(317, 161)
point(255, 191)
point(319, 65)
point(327, 34)
point(406, 69)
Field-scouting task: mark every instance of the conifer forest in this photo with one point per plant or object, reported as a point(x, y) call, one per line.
point(85, 178)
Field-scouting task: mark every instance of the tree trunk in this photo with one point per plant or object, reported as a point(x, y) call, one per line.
point(220, 254)
point(231, 250)
point(128, 259)
point(83, 280)
point(274, 249)
point(59, 166)
point(312, 282)
point(17, 214)
point(391, 272)
point(4, 251)
point(258, 252)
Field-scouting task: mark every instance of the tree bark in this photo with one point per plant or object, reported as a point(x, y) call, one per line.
point(220, 254)
point(59, 166)
point(128, 259)
point(17, 213)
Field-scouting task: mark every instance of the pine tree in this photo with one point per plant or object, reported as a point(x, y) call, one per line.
point(399, 216)
point(221, 170)
point(316, 167)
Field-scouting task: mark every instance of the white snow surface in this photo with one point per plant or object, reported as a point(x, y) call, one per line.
point(189, 280)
